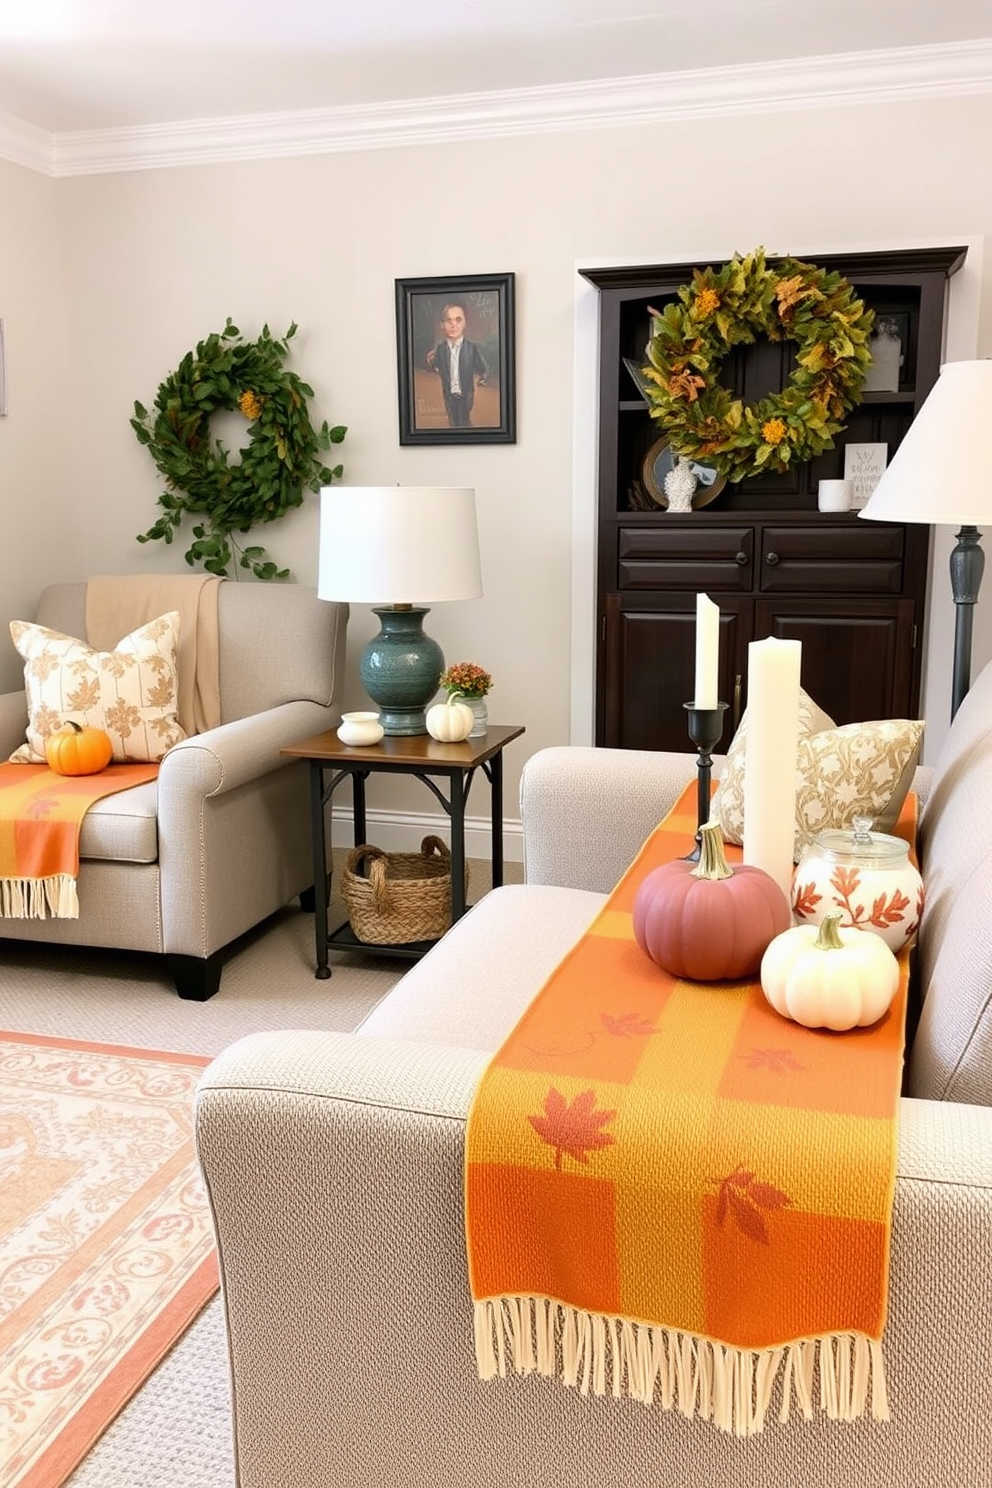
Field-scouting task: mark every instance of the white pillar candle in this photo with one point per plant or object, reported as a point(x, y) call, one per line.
point(770, 757)
point(707, 652)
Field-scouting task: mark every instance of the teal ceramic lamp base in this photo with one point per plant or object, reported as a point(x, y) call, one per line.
point(400, 667)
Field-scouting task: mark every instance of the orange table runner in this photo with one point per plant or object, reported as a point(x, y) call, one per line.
point(674, 1193)
point(41, 814)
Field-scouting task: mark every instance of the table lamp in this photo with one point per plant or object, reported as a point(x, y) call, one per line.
point(935, 476)
point(410, 546)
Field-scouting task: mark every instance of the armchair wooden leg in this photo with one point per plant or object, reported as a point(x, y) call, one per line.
point(196, 977)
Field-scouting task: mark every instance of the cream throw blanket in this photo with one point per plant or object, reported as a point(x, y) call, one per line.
point(116, 604)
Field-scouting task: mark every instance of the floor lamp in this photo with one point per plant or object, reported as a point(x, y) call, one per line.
point(406, 545)
point(923, 483)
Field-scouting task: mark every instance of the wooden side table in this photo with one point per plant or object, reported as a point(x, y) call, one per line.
point(429, 761)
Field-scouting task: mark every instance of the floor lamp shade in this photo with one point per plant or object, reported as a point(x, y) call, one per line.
point(399, 549)
point(924, 482)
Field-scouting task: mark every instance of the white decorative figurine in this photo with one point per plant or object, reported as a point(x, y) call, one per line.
point(680, 485)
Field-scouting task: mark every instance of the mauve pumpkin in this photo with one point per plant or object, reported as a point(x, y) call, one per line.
point(709, 922)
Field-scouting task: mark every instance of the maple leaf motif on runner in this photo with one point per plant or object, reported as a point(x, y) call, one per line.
point(42, 806)
point(806, 899)
point(574, 1128)
point(743, 1196)
point(779, 1061)
point(627, 1025)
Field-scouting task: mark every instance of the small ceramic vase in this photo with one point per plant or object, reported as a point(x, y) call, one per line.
point(360, 728)
point(868, 876)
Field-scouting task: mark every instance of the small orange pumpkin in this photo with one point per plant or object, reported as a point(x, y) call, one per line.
point(78, 750)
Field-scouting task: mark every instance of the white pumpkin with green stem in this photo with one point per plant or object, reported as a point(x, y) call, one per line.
point(826, 977)
point(450, 722)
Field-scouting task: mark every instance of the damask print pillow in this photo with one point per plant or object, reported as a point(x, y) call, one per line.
point(858, 769)
point(131, 692)
point(728, 800)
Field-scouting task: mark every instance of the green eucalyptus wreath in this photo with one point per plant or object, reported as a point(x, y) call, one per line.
point(281, 457)
point(727, 307)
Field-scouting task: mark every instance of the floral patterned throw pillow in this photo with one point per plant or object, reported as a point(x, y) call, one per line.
point(131, 692)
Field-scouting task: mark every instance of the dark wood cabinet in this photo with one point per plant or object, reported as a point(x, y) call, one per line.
point(852, 591)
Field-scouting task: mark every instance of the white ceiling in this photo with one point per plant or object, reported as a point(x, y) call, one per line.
point(78, 65)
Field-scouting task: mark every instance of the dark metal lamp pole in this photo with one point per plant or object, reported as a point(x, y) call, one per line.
point(950, 429)
point(967, 567)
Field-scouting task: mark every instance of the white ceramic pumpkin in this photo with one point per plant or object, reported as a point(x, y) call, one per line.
point(826, 977)
point(450, 722)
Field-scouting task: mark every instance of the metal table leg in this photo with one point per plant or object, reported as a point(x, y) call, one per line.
point(457, 846)
point(319, 848)
point(496, 794)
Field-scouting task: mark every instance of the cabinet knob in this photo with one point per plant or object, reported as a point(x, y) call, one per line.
point(772, 558)
point(740, 559)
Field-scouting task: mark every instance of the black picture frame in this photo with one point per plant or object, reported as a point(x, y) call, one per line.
point(429, 413)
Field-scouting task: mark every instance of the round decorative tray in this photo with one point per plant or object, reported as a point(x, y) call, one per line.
point(660, 459)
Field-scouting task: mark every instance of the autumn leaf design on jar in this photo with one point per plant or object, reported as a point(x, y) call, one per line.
point(868, 876)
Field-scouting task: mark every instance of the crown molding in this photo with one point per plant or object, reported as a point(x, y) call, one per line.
point(954, 69)
point(24, 144)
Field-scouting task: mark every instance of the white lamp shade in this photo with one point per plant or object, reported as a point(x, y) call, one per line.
point(398, 544)
point(937, 475)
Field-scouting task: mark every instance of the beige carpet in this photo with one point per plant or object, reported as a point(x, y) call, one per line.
point(176, 1430)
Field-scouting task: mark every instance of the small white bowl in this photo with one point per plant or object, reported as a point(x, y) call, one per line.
point(360, 728)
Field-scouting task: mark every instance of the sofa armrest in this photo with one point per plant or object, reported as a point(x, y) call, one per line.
point(923, 783)
point(13, 721)
point(221, 759)
point(334, 1167)
point(586, 812)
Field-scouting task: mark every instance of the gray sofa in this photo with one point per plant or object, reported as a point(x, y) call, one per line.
point(335, 1170)
point(185, 864)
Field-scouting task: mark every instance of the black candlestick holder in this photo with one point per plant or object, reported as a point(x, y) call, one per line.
point(705, 731)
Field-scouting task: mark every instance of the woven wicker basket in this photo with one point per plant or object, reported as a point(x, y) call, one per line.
point(406, 896)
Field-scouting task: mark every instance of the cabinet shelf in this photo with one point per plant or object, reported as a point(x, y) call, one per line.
point(853, 592)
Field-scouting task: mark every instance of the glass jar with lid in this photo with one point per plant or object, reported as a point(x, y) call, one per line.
point(867, 875)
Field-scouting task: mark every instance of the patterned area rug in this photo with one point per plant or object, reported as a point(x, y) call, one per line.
point(106, 1244)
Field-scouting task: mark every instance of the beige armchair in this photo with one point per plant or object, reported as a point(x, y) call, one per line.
point(185, 864)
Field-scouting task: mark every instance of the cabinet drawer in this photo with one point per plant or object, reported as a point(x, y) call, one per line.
point(696, 558)
point(866, 559)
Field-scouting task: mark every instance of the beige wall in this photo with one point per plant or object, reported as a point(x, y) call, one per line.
point(38, 460)
point(106, 281)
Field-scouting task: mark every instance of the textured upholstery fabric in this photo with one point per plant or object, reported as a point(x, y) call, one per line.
point(123, 828)
point(952, 1051)
point(501, 976)
point(335, 1169)
point(222, 838)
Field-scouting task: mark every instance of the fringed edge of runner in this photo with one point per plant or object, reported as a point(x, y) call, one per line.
point(680, 1371)
point(39, 898)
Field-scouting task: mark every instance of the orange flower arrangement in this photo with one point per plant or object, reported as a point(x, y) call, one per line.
point(467, 678)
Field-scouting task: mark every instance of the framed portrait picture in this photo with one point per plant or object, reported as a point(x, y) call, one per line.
point(455, 345)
